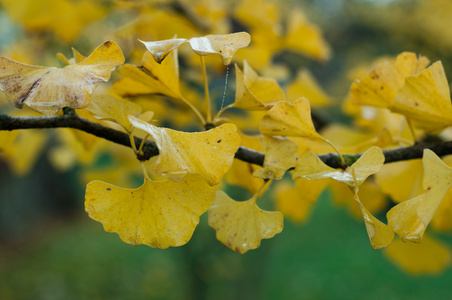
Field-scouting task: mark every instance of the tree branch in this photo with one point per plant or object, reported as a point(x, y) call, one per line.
point(245, 154)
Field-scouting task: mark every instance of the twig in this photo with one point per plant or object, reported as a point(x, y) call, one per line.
point(245, 154)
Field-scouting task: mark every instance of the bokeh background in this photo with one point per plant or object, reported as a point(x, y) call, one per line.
point(50, 248)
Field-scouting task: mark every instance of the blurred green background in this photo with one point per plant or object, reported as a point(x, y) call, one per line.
point(50, 249)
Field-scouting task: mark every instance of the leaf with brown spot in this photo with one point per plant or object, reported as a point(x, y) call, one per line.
point(48, 89)
point(159, 214)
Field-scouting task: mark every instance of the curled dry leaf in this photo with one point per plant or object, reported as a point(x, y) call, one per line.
point(159, 214)
point(242, 225)
point(225, 45)
point(48, 89)
point(208, 153)
point(410, 218)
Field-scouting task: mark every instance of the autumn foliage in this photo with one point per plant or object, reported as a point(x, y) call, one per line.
point(187, 146)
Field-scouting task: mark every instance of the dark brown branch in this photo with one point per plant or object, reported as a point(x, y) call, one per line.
point(245, 154)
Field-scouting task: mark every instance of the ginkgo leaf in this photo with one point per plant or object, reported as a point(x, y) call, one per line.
point(287, 119)
point(380, 234)
point(25, 150)
point(151, 78)
point(48, 89)
point(279, 157)
point(208, 153)
point(7, 138)
point(429, 257)
point(380, 86)
point(296, 201)
point(305, 85)
point(410, 218)
point(78, 57)
point(370, 195)
point(161, 49)
point(312, 44)
point(242, 225)
point(65, 18)
point(425, 99)
point(108, 107)
point(401, 180)
point(241, 172)
point(160, 214)
point(254, 92)
point(224, 45)
point(309, 166)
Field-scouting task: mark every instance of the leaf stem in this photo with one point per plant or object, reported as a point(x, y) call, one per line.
point(337, 151)
point(222, 111)
point(145, 172)
point(410, 125)
point(206, 90)
point(132, 143)
point(195, 110)
point(140, 150)
point(260, 190)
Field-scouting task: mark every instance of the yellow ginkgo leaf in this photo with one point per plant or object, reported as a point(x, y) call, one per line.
point(425, 99)
point(48, 89)
point(6, 139)
point(160, 214)
point(108, 107)
point(296, 201)
point(410, 218)
point(258, 14)
point(279, 157)
point(151, 78)
point(312, 44)
point(309, 166)
point(401, 180)
point(380, 234)
point(305, 85)
point(161, 49)
point(208, 153)
point(254, 92)
point(78, 57)
point(242, 225)
point(23, 152)
point(287, 119)
point(224, 45)
point(241, 172)
point(65, 18)
point(429, 257)
point(370, 195)
point(380, 86)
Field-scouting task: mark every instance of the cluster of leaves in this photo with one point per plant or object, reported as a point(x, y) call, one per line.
point(399, 102)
